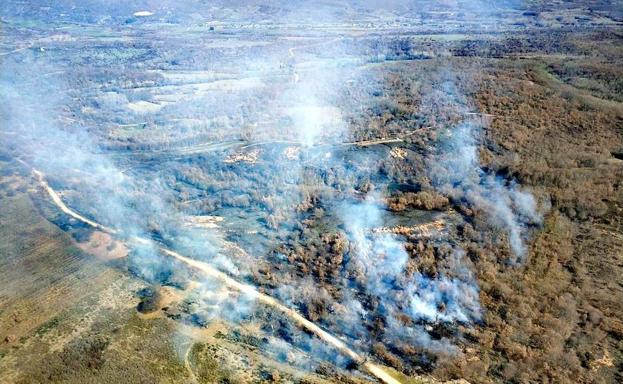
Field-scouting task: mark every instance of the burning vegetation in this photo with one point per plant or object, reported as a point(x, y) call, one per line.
point(428, 195)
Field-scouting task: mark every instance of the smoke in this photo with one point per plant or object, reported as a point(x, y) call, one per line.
point(35, 107)
point(462, 178)
point(307, 105)
point(454, 166)
point(305, 111)
point(303, 351)
point(212, 302)
point(443, 299)
point(382, 258)
point(418, 335)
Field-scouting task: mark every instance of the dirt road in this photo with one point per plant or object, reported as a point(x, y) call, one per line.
point(209, 271)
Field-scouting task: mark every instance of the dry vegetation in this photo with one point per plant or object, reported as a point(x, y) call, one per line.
point(550, 107)
point(78, 317)
point(558, 318)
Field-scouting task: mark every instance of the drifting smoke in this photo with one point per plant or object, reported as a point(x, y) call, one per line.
point(462, 178)
point(212, 302)
point(34, 106)
point(383, 257)
point(310, 106)
point(144, 204)
point(454, 169)
point(443, 299)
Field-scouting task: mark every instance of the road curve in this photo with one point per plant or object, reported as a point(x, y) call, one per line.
point(208, 270)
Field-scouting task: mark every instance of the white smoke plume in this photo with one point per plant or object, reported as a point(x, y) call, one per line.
point(462, 178)
point(382, 258)
point(145, 205)
point(455, 170)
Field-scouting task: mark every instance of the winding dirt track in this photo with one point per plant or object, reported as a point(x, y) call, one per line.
point(209, 271)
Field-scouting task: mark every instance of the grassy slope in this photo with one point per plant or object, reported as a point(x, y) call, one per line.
point(67, 317)
point(41, 270)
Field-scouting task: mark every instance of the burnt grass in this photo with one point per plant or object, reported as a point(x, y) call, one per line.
point(552, 318)
point(554, 124)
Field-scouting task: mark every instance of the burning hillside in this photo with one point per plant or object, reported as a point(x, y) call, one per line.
point(310, 194)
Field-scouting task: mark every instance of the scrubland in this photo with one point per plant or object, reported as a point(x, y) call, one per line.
point(453, 210)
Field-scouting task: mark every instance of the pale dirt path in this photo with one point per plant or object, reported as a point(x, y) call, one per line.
point(18, 49)
point(187, 365)
point(208, 270)
point(59, 203)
